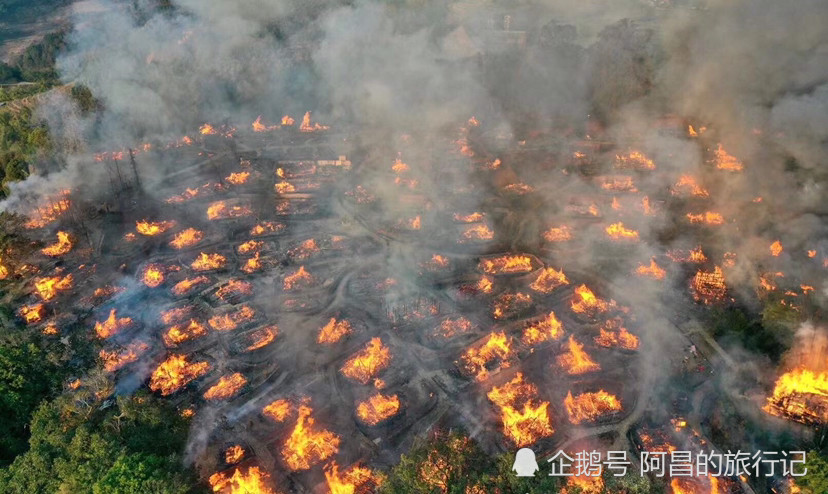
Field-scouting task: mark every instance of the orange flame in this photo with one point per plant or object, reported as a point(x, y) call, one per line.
point(277, 410)
point(252, 265)
point(250, 247)
point(231, 320)
point(251, 481)
point(652, 271)
point(262, 337)
point(186, 238)
point(348, 481)
point(207, 129)
point(634, 159)
point(287, 121)
point(114, 360)
point(776, 248)
point(306, 445)
point(153, 275)
point(476, 360)
point(478, 232)
point(618, 184)
point(32, 313)
point(219, 210)
point(206, 262)
point(585, 302)
point(547, 329)
point(266, 227)
point(708, 217)
point(238, 178)
point(298, 278)
point(523, 426)
point(111, 325)
point(548, 280)
point(586, 484)
point(727, 162)
point(709, 287)
point(687, 185)
point(451, 327)
point(469, 218)
point(151, 229)
point(613, 334)
point(333, 331)
point(258, 126)
point(226, 387)
point(233, 454)
point(378, 408)
point(184, 287)
point(47, 288)
point(797, 391)
point(305, 250)
point(175, 373)
point(588, 407)
point(576, 360)
point(617, 231)
point(558, 234)
point(61, 247)
point(507, 264)
point(306, 126)
point(180, 333)
point(368, 362)
point(234, 288)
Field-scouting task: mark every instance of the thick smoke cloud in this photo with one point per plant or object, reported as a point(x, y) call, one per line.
point(754, 72)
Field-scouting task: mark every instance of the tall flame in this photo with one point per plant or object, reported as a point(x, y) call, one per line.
point(307, 445)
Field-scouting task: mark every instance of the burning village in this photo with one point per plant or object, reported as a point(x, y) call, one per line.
point(273, 247)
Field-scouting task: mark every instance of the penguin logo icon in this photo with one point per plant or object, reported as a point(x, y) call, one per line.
point(525, 463)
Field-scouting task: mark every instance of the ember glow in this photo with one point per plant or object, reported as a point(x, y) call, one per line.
point(378, 408)
point(277, 410)
point(453, 326)
point(558, 234)
point(308, 444)
point(368, 363)
point(117, 359)
point(614, 335)
point(687, 185)
point(175, 373)
point(61, 247)
point(709, 286)
point(576, 360)
point(588, 407)
point(266, 227)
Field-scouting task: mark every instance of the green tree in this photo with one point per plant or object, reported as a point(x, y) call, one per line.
point(816, 480)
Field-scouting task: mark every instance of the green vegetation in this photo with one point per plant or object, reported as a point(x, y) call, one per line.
point(78, 446)
point(816, 480)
